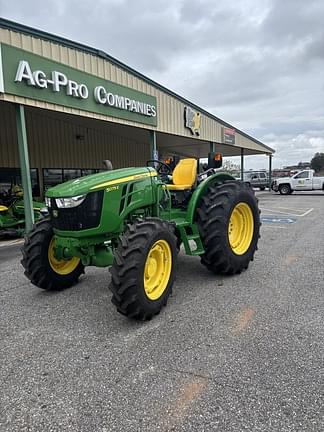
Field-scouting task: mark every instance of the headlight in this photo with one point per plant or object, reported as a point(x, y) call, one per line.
point(70, 202)
point(48, 202)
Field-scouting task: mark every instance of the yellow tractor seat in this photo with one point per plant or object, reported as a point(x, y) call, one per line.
point(184, 175)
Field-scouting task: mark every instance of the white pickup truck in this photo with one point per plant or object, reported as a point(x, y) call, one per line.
point(302, 181)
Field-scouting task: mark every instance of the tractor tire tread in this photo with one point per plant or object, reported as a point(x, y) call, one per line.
point(35, 260)
point(129, 254)
point(213, 213)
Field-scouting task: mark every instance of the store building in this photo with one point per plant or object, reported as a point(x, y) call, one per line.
point(65, 107)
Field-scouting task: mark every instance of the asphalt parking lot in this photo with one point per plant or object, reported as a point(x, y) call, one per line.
point(241, 353)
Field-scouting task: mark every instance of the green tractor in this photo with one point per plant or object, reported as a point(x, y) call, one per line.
point(134, 220)
point(12, 213)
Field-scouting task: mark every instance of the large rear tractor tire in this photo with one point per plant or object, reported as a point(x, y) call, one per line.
point(143, 270)
point(228, 218)
point(40, 263)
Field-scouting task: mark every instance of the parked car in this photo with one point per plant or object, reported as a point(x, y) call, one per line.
point(303, 180)
point(257, 179)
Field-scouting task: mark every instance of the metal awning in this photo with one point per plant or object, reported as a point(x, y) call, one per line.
point(191, 147)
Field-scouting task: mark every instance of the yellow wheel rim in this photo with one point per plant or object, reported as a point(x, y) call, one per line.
point(61, 267)
point(157, 269)
point(240, 228)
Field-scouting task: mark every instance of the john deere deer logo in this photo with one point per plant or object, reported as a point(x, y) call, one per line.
point(192, 120)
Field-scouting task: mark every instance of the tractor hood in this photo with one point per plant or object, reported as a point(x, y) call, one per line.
point(94, 182)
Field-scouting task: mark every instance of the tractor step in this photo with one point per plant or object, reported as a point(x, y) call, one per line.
point(193, 235)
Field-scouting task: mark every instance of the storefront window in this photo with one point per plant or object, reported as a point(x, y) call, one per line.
point(10, 177)
point(55, 176)
point(70, 174)
point(85, 172)
point(52, 177)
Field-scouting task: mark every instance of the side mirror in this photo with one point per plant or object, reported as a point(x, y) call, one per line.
point(215, 160)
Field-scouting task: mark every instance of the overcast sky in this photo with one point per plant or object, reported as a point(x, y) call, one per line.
point(258, 64)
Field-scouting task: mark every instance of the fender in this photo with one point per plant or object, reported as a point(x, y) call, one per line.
point(200, 191)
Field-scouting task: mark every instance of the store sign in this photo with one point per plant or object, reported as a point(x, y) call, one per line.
point(28, 75)
point(192, 120)
point(228, 136)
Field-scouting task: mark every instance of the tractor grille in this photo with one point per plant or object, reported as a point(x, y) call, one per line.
point(85, 216)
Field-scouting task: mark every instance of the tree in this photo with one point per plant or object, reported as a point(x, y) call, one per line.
point(317, 163)
point(228, 166)
point(231, 167)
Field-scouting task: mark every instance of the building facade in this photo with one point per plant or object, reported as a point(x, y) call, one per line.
point(80, 106)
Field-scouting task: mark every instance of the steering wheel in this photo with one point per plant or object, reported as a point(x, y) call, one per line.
point(159, 167)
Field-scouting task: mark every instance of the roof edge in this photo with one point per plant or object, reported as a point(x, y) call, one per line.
point(31, 31)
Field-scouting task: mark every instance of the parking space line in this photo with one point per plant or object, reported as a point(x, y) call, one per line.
point(273, 226)
point(290, 209)
point(307, 212)
point(287, 213)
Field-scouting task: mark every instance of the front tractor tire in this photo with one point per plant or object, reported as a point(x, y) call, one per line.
point(41, 266)
point(228, 218)
point(143, 270)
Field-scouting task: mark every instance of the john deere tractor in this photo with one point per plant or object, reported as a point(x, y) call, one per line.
point(12, 213)
point(134, 220)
